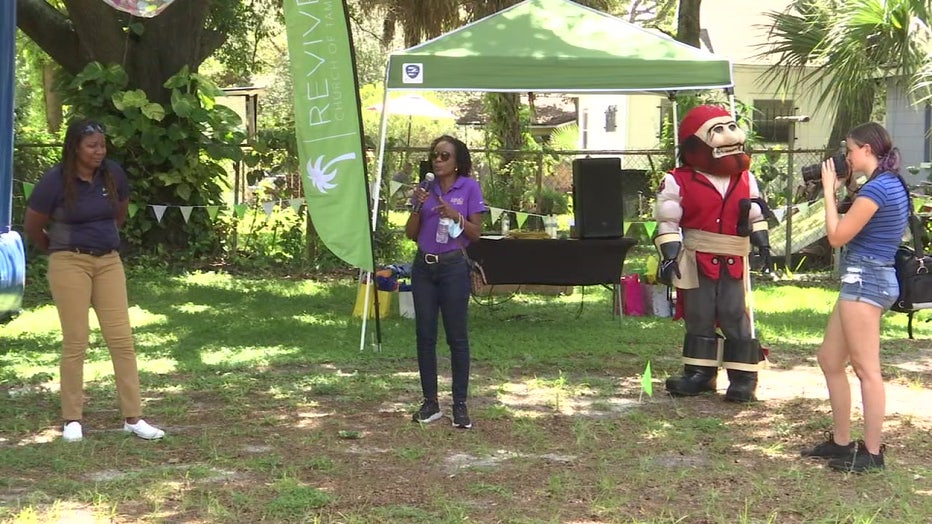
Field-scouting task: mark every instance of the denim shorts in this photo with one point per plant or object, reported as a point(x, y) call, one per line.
point(867, 279)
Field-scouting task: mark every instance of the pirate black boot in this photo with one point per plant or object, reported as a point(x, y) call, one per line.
point(742, 386)
point(696, 379)
point(742, 358)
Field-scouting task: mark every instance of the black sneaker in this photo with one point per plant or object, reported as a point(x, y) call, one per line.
point(429, 412)
point(461, 417)
point(829, 448)
point(859, 461)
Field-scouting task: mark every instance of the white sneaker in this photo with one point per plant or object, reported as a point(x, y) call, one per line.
point(143, 430)
point(72, 432)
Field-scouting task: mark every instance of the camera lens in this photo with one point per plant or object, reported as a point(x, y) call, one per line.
point(813, 172)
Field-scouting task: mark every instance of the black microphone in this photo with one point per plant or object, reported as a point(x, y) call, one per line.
point(425, 185)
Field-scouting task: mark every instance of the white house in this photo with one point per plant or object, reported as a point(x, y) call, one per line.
point(734, 29)
point(910, 125)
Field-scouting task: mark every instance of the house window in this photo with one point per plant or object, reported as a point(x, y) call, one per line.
point(610, 113)
point(766, 126)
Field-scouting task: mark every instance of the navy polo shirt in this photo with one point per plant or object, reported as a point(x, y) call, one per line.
point(90, 222)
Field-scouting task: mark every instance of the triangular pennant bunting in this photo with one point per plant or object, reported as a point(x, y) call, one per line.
point(27, 189)
point(159, 212)
point(240, 210)
point(295, 204)
point(268, 207)
point(650, 227)
point(803, 209)
point(186, 212)
point(212, 212)
point(495, 213)
point(918, 203)
point(132, 209)
point(627, 228)
point(393, 187)
point(521, 218)
point(779, 213)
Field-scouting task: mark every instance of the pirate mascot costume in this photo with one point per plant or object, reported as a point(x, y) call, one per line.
point(708, 214)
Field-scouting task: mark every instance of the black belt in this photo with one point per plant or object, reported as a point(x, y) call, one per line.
point(432, 258)
point(91, 252)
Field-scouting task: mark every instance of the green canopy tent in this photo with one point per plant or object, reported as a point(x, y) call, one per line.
point(555, 46)
point(549, 46)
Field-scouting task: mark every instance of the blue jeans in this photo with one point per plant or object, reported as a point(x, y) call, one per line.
point(866, 279)
point(442, 287)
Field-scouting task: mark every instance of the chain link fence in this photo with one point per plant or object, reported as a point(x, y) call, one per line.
point(534, 182)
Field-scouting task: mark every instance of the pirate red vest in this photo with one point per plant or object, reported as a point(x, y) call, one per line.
point(704, 208)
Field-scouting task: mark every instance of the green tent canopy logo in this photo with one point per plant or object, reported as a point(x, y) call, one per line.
point(413, 73)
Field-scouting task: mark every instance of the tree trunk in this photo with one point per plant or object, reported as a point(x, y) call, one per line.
point(53, 110)
point(687, 22)
point(151, 50)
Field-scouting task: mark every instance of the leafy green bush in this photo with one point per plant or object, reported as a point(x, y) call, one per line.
point(551, 202)
point(173, 155)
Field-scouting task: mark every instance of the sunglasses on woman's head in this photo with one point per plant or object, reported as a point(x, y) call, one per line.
point(442, 155)
point(92, 128)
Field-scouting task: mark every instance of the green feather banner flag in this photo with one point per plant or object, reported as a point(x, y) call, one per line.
point(329, 127)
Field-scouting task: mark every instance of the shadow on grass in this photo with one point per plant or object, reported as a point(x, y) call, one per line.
point(274, 414)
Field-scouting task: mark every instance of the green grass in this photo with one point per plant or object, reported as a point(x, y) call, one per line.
point(259, 383)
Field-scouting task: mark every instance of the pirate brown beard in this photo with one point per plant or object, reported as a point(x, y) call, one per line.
point(698, 155)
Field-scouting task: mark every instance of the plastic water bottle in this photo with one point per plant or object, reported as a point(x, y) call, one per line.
point(443, 230)
point(550, 224)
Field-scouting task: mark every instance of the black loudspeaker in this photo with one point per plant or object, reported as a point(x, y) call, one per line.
point(597, 198)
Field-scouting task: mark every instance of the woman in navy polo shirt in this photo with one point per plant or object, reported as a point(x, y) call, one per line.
point(445, 218)
point(74, 214)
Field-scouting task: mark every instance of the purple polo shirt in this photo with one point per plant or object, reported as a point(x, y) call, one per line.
point(90, 222)
point(465, 196)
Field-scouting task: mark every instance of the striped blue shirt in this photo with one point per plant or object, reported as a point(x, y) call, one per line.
point(883, 233)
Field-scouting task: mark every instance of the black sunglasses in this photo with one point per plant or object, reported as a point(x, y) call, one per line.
point(92, 128)
point(443, 155)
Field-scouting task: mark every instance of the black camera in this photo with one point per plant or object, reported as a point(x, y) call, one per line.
point(813, 173)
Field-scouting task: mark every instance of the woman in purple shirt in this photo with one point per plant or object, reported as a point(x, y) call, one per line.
point(445, 218)
point(74, 214)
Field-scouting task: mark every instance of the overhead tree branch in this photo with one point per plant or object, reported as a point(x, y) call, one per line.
point(52, 31)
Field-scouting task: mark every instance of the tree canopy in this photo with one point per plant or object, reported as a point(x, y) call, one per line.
point(855, 44)
point(75, 33)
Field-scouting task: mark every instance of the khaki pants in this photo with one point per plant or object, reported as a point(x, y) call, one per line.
point(78, 282)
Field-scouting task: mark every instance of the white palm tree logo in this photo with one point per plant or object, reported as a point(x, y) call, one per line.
point(319, 177)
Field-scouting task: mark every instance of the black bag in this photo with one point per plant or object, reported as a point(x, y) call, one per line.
point(913, 271)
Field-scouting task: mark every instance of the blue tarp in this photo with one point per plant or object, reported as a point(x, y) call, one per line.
point(12, 256)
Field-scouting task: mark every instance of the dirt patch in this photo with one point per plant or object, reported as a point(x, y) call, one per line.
point(552, 449)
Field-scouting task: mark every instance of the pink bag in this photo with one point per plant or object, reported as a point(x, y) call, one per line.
point(632, 296)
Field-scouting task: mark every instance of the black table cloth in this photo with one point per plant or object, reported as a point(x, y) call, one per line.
point(571, 262)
